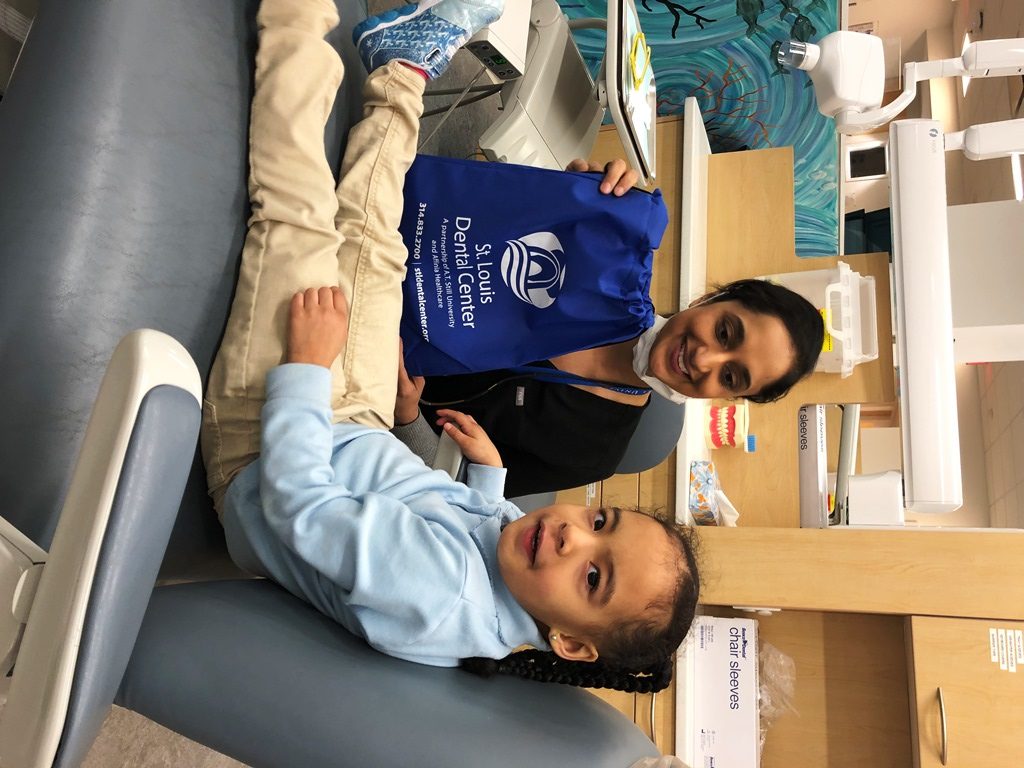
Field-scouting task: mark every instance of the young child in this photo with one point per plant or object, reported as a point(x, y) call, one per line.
point(313, 491)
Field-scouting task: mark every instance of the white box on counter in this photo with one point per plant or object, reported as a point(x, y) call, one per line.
point(717, 690)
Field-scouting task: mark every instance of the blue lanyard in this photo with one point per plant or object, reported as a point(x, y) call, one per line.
point(556, 376)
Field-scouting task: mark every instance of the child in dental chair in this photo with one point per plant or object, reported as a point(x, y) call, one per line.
point(312, 489)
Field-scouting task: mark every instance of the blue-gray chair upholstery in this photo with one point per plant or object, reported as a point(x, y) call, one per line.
point(656, 436)
point(122, 181)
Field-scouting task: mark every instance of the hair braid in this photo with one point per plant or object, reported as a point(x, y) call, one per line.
point(548, 667)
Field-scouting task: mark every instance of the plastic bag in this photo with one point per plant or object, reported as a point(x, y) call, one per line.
point(777, 682)
point(665, 761)
point(707, 501)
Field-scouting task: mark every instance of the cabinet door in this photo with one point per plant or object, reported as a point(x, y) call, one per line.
point(981, 706)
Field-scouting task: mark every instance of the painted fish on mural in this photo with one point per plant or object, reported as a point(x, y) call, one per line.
point(773, 56)
point(788, 6)
point(802, 29)
point(749, 10)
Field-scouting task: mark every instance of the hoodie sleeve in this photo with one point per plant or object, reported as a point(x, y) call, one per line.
point(330, 536)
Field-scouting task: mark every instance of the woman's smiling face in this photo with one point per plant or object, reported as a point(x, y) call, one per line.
point(580, 571)
point(721, 349)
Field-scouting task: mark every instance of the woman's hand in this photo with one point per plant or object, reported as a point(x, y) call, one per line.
point(618, 179)
point(470, 437)
point(317, 326)
point(410, 389)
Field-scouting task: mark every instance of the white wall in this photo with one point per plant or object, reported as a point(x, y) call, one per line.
point(905, 19)
point(986, 242)
point(987, 274)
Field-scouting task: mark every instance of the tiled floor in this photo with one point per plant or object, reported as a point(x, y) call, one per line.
point(128, 740)
point(1002, 422)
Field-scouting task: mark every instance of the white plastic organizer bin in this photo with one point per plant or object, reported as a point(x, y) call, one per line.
point(846, 301)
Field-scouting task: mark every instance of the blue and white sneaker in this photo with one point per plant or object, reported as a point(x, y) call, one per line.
point(425, 35)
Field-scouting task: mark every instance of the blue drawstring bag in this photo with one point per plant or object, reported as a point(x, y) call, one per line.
point(510, 264)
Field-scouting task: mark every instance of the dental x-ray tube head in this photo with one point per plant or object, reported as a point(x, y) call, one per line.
point(847, 69)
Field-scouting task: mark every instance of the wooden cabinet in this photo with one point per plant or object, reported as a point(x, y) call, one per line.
point(846, 593)
point(909, 572)
point(849, 705)
point(967, 710)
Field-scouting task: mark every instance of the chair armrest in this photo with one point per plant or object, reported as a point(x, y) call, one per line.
point(449, 456)
point(106, 550)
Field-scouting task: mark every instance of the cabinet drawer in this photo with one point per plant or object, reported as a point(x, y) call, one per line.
point(965, 707)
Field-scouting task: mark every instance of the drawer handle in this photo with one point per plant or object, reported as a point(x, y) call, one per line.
point(945, 735)
point(654, 733)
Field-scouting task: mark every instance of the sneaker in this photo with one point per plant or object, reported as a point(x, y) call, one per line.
point(425, 35)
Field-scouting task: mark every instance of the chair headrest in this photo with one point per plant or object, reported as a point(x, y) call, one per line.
point(655, 437)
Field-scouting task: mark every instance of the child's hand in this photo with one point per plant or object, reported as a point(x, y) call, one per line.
point(470, 437)
point(317, 326)
point(619, 178)
point(410, 388)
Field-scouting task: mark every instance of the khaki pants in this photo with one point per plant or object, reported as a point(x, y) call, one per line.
point(305, 233)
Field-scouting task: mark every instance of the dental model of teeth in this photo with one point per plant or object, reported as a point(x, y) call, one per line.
point(727, 426)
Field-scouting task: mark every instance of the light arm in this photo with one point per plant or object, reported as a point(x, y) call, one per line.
point(989, 140)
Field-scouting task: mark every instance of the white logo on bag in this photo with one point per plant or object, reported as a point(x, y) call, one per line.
point(532, 267)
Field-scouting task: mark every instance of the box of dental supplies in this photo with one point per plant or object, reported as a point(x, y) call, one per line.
point(720, 675)
point(812, 466)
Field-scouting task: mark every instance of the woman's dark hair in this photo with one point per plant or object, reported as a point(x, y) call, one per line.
point(802, 321)
point(635, 657)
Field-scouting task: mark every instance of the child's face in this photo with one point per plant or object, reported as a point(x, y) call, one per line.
point(721, 350)
point(579, 570)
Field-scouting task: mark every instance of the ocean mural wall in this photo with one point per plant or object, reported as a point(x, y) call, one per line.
point(723, 53)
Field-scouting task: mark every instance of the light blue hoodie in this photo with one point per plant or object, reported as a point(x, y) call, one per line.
point(348, 519)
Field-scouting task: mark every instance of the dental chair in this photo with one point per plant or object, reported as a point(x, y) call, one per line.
point(123, 165)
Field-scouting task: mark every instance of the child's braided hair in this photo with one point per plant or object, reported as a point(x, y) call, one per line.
point(547, 667)
point(634, 657)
